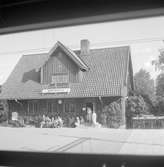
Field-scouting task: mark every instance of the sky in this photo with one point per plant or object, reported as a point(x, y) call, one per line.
point(144, 36)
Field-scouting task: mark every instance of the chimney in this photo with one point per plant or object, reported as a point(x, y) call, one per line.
point(85, 47)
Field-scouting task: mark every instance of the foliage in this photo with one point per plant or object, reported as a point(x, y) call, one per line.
point(113, 114)
point(15, 123)
point(135, 106)
point(3, 116)
point(159, 62)
point(160, 85)
point(144, 86)
point(150, 107)
point(37, 120)
point(159, 106)
point(159, 66)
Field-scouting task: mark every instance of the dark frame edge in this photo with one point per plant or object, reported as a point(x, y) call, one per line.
point(85, 20)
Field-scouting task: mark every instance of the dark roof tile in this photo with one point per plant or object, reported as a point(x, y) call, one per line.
point(105, 78)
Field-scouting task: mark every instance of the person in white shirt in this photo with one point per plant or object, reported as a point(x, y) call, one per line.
point(89, 115)
point(94, 118)
point(77, 123)
point(60, 121)
point(43, 121)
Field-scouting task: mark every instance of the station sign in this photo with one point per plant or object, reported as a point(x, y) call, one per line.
point(56, 90)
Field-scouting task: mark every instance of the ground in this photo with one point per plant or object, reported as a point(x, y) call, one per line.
point(83, 140)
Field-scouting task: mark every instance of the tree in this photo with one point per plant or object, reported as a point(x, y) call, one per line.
point(160, 85)
point(144, 85)
point(159, 106)
point(159, 62)
point(113, 114)
point(159, 66)
point(135, 106)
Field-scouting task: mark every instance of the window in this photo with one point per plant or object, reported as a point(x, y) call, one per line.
point(49, 107)
point(60, 80)
point(30, 108)
point(69, 107)
point(33, 108)
point(52, 107)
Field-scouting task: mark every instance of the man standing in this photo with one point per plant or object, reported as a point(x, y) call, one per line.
point(89, 116)
point(94, 118)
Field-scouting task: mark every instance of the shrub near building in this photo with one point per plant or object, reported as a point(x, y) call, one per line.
point(135, 106)
point(3, 114)
point(112, 114)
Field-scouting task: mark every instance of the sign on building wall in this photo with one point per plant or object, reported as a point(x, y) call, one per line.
point(56, 90)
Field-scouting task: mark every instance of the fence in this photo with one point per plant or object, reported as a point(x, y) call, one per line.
point(150, 122)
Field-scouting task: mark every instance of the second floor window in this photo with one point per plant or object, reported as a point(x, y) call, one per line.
point(60, 80)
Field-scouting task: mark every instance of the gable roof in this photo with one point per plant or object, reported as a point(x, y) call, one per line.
point(69, 53)
point(106, 76)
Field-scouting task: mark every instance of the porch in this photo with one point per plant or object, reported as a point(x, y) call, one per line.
point(32, 111)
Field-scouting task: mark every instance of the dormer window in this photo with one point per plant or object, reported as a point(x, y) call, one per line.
point(59, 67)
point(60, 80)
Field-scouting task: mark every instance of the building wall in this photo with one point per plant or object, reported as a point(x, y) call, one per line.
point(67, 107)
point(59, 63)
point(52, 106)
point(19, 106)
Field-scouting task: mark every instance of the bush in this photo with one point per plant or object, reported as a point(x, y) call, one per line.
point(113, 114)
point(159, 106)
point(135, 106)
point(15, 123)
point(3, 116)
point(37, 120)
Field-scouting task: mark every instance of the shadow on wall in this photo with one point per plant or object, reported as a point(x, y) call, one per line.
point(33, 75)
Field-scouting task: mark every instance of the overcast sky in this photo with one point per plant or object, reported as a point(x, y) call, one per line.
point(143, 35)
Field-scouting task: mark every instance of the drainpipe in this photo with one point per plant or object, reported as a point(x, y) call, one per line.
point(101, 102)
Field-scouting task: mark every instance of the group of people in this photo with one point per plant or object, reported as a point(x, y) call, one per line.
point(57, 122)
point(90, 119)
point(48, 122)
point(73, 121)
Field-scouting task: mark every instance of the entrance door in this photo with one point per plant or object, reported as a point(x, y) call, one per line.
point(89, 109)
point(89, 105)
